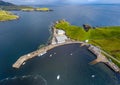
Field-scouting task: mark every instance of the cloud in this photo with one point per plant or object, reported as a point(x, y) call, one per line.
point(61, 1)
point(29, 1)
point(92, 0)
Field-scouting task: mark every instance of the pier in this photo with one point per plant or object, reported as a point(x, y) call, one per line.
point(36, 53)
point(101, 58)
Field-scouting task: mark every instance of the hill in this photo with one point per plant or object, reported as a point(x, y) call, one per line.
point(12, 7)
point(3, 3)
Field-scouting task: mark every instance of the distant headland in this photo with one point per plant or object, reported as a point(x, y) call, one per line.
point(12, 7)
point(6, 6)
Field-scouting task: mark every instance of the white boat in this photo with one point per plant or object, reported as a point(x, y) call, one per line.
point(58, 77)
point(93, 76)
point(50, 55)
point(23, 63)
point(71, 54)
point(42, 53)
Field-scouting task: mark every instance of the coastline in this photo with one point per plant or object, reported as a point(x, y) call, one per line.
point(7, 16)
point(10, 19)
point(100, 56)
point(40, 51)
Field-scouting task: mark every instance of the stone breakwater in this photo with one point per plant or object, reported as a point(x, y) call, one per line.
point(36, 53)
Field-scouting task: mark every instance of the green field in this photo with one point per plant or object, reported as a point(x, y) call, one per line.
point(27, 9)
point(24, 8)
point(35, 9)
point(5, 16)
point(42, 9)
point(107, 38)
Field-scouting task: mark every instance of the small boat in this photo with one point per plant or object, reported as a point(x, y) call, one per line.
point(24, 63)
point(42, 53)
point(58, 77)
point(93, 76)
point(54, 53)
point(71, 54)
point(50, 55)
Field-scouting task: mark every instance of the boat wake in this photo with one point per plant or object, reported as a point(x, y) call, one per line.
point(24, 80)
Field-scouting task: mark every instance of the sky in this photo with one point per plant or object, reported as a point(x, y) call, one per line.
point(63, 1)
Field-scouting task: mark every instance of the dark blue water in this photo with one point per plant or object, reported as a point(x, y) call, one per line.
point(32, 29)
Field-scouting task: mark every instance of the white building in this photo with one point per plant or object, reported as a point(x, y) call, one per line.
point(60, 32)
point(61, 39)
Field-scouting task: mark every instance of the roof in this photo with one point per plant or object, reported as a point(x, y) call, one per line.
point(61, 38)
point(60, 32)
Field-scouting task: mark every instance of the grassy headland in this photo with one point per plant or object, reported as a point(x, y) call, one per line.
point(107, 38)
point(12, 7)
point(35, 9)
point(6, 16)
point(23, 8)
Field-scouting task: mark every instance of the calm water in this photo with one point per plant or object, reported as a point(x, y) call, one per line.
point(32, 29)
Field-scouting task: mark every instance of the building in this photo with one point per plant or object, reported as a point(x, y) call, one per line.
point(61, 39)
point(60, 32)
point(60, 36)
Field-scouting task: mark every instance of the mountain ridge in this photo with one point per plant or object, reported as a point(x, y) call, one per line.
point(3, 3)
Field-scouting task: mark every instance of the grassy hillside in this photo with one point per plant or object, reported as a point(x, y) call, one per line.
point(108, 38)
point(5, 16)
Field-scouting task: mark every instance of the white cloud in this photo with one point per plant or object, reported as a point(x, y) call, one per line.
point(92, 0)
point(61, 1)
point(29, 1)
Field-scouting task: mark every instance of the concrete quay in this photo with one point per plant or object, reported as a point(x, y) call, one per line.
point(36, 53)
point(101, 58)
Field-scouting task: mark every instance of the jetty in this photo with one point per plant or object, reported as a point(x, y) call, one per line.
point(101, 58)
point(36, 53)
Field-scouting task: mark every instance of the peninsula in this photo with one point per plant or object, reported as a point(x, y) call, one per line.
point(6, 16)
point(12, 7)
point(6, 6)
point(64, 33)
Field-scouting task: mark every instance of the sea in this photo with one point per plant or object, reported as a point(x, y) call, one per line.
point(64, 65)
